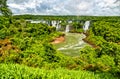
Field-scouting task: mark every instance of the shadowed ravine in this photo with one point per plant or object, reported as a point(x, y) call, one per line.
point(72, 44)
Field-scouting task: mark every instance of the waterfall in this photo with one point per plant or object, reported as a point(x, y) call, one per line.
point(58, 26)
point(67, 28)
point(54, 23)
point(86, 26)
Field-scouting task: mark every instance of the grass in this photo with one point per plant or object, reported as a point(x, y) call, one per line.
point(15, 71)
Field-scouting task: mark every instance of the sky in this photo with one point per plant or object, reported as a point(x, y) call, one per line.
point(66, 7)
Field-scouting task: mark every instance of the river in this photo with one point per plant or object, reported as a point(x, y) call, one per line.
point(72, 44)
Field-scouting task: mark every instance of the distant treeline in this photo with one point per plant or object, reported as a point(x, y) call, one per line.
point(67, 17)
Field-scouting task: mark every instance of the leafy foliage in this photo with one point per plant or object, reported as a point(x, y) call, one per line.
point(30, 44)
point(106, 36)
point(4, 8)
point(24, 72)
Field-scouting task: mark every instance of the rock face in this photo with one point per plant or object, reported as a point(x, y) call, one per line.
point(58, 40)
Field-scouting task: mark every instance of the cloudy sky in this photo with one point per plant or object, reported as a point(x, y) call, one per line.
point(65, 7)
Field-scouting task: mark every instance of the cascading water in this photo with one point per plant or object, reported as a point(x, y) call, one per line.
point(58, 26)
point(54, 23)
point(86, 26)
point(67, 28)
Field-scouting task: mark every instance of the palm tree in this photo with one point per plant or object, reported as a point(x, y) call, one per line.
point(4, 10)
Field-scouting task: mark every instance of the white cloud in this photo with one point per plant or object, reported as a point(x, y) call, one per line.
point(65, 7)
point(83, 6)
point(21, 7)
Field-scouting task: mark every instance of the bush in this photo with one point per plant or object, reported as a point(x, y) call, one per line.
point(23, 72)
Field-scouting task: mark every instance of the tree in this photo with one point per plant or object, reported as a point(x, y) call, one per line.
point(4, 10)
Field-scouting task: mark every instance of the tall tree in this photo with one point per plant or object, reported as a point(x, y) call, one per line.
point(4, 10)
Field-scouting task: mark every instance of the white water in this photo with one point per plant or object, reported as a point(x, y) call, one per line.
point(67, 28)
point(86, 26)
point(76, 45)
point(54, 23)
point(58, 26)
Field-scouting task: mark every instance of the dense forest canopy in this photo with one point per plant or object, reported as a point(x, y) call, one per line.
point(69, 17)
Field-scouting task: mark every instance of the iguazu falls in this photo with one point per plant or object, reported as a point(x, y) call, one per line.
point(55, 39)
